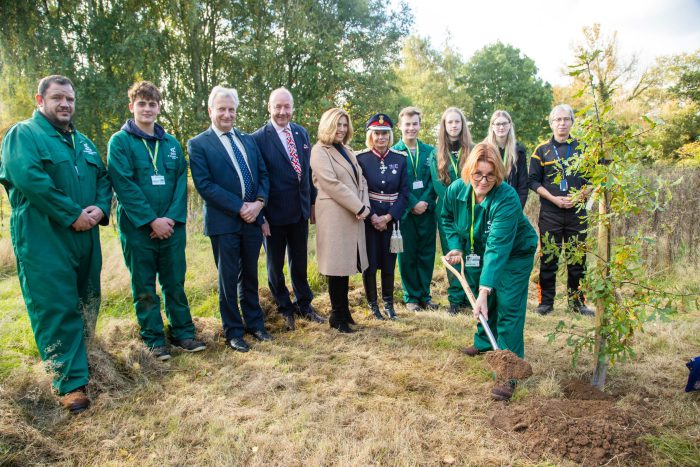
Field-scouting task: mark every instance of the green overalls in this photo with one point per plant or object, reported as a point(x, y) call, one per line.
point(417, 261)
point(140, 200)
point(455, 293)
point(506, 244)
point(49, 179)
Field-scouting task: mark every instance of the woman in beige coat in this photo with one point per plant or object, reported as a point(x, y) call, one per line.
point(342, 204)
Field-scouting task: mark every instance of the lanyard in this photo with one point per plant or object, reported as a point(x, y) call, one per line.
point(454, 165)
point(154, 158)
point(471, 230)
point(568, 150)
point(414, 163)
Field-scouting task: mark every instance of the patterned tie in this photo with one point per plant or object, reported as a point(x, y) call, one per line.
point(292, 148)
point(245, 171)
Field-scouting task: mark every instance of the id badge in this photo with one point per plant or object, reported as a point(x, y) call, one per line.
point(564, 185)
point(418, 184)
point(157, 179)
point(472, 261)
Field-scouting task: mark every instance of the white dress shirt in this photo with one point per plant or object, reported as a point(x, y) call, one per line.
point(227, 145)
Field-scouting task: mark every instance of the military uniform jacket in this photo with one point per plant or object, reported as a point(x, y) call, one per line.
point(418, 170)
point(549, 160)
point(130, 167)
point(385, 179)
point(501, 230)
point(49, 181)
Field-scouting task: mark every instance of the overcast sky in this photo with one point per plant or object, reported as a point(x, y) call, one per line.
point(545, 30)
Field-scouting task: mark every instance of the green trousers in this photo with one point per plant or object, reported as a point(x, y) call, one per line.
point(417, 261)
point(59, 274)
point(146, 258)
point(455, 292)
point(507, 304)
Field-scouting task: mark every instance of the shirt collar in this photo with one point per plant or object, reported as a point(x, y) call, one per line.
point(220, 133)
point(279, 129)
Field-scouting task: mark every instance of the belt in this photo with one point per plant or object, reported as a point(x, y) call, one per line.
point(383, 197)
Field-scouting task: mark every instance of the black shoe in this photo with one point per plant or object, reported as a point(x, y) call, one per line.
point(543, 309)
point(374, 308)
point(429, 305)
point(341, 326)
point(289, 322)
point(238, 344)
point(261, 335)
point(311, 315)
point(189, 345)
point(412, 306)
point(348, 318)
point(389, 310)
point(453, 309)
point(582, 309)
point(161, 352)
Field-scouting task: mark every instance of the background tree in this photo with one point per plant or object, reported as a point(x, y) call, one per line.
point(500, 77)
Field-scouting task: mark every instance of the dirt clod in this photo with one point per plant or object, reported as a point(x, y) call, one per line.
point(581, 390)
point(508, 366)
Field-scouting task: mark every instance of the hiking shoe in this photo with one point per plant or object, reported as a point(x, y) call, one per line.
point(503, 392)
point(238, 344)
point(429, 305)
point(583, 310)
point(412, 306)
point(543, 310)
point(471, 351)
point(75, 401)
point(189, 345)
point(161, 352)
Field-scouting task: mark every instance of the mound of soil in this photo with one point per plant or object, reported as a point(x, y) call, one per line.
point(507, 366)
point(586, 428)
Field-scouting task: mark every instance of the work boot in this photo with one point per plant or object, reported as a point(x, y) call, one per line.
point(582, 309)
point(471, 351)
point(503, 392)
point(543, 309)
point(388, 294)
point(75, 401)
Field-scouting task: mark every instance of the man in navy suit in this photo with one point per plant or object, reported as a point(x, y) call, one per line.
point(286, 150)
point(230, 175)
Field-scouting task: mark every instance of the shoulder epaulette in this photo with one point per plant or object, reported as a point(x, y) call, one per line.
point(398, 151)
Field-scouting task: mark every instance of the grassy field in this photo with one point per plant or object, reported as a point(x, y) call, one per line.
point(396, 393)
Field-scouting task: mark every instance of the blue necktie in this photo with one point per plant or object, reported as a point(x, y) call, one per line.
point(245, 171)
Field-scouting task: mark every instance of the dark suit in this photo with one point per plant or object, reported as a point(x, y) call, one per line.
point(236, 244)
point(287, 212)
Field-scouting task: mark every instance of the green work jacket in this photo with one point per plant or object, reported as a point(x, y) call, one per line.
point(139, 201)
point(48, 181)
point(501, 230)
point(418, 170)
point(438, 187)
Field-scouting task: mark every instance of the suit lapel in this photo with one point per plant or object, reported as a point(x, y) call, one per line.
point(218, 146)
point(277, 143)
point(338, 158)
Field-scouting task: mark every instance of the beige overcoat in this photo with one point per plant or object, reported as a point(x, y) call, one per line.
point(339, 234)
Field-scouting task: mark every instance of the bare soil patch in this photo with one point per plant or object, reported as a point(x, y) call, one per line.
point(585, 428)
point(507, 366)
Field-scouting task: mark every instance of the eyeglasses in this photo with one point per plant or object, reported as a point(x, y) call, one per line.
point(501, 124)
point(477, 177)
point(562, 120)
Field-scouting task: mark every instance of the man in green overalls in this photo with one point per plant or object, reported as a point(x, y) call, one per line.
point(59, 192)
point(483, 220)
point(418, 223)
point(149, 174)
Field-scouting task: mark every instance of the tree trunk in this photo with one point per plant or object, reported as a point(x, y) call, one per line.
point(600, 355)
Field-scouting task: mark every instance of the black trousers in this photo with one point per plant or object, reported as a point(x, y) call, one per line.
point(562, 225)
point(292, 240)
point(338, 287)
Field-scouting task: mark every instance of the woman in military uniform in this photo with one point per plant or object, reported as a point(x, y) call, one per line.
point(483, 220)
point(386, 173)
point(454, 144)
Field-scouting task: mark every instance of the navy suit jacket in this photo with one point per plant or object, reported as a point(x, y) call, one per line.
point(217, 181)
point(290, 198)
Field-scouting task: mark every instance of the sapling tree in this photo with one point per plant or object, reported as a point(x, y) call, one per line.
point(617, 281)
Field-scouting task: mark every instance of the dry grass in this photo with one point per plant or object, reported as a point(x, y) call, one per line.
point(396, 393)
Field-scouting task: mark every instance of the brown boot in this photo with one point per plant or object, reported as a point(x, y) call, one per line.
point(75, 401)
point(503, 392)
point(471, 351)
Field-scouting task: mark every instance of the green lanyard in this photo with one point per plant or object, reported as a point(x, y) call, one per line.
point(471, 230)
point(414, 163)
point(454, 166)
point(154, 158)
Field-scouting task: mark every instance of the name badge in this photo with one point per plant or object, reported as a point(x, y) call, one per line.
point(472, 261)
point(563, 185)
point(418, 184)
point(157, 179)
